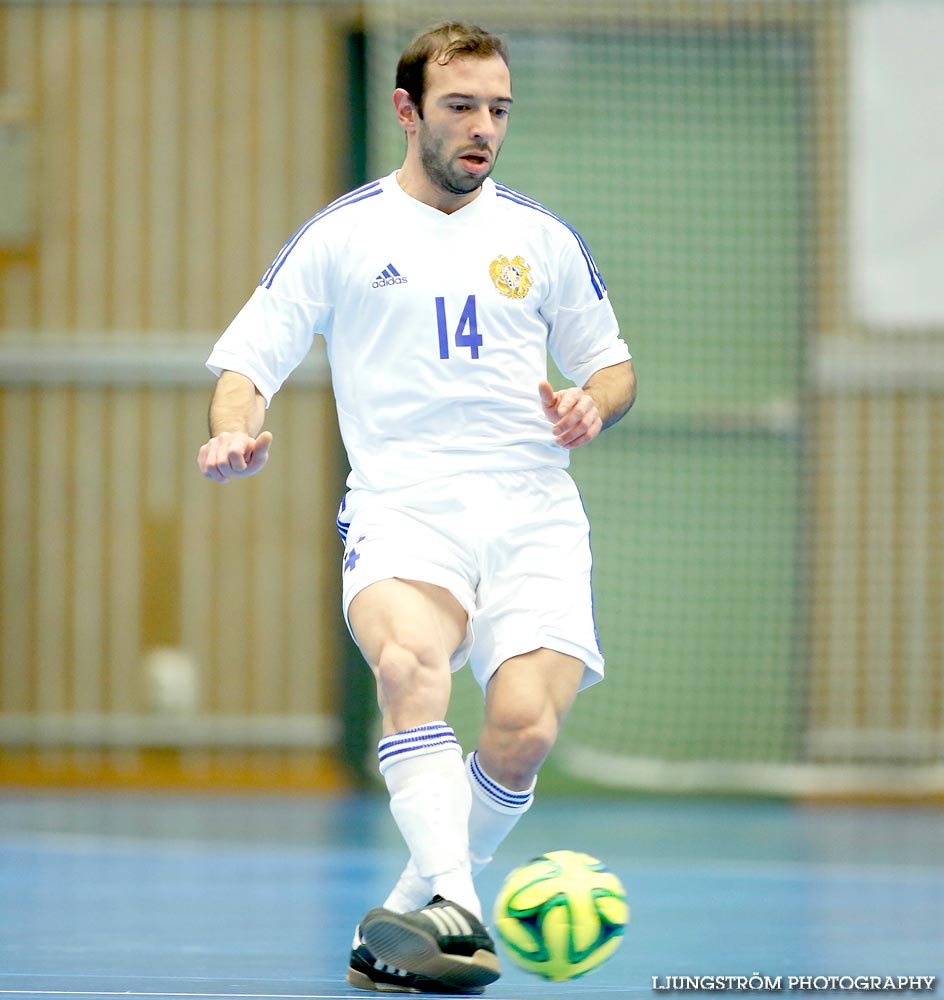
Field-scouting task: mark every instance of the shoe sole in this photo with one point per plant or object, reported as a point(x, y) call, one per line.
point(405, 946)
point(361, 982)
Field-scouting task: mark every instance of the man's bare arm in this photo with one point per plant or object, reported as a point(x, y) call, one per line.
point(236, 447)
point(580, 414)
point(614, 391)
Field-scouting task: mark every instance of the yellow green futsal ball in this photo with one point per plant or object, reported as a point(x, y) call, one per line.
point(561, 915)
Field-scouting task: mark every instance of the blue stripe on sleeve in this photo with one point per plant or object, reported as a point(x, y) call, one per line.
point(351, 198)
point(596, 279)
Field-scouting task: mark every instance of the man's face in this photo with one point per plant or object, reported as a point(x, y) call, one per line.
point(465, 115)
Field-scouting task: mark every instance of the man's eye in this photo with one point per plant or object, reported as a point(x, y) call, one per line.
point(500, 112)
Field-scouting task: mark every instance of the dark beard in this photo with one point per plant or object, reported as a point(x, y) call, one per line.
point(439, 173)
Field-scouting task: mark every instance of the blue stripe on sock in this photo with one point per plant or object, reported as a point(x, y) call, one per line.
point(420, 740)
point(493, 790)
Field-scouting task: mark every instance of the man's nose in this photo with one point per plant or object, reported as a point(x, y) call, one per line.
point(482, 128)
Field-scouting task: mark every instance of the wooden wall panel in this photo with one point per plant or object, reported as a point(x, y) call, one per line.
point(163, 223)
point(89, 532)
point(178, 146)
point(92, 191)
point(52, 504)
point(878, 658)
point(18, 552)
point(56, 132)
point(129, 154)
point(181, 144)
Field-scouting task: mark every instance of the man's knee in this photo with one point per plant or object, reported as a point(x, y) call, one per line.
point(407, 631)
point(512, 749)
point(527, 700)
point(408, 664)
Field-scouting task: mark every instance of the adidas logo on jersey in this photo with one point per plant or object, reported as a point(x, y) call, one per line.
point(388, 276)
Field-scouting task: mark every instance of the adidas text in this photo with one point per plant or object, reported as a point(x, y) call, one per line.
point(382, 282)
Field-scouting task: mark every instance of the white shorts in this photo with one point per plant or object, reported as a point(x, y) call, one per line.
point(513, 548)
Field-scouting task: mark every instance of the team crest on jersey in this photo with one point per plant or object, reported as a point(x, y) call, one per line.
point(511, 277)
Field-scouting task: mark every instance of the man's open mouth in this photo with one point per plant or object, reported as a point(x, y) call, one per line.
point(474, 159)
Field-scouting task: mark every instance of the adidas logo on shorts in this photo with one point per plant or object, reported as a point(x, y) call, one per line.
point(388, 276)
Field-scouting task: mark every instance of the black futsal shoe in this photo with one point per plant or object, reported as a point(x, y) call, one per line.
point(368, 973)
point(442, 941)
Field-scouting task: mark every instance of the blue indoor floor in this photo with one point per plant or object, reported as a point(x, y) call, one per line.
point(171, 896)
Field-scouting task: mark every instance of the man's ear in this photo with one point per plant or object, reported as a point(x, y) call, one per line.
point(407, 112)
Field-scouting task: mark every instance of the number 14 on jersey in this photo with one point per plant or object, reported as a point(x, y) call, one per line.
point(467, 332)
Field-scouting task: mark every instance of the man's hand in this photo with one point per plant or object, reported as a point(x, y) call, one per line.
point(233, 456)
point(573, 413)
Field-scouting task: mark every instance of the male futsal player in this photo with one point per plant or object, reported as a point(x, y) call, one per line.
point(439, 293)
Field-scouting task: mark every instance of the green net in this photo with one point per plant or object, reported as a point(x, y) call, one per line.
point(695, 146)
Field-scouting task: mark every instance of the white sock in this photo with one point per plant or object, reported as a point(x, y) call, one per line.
point(494, 813)
point(430, 801)
point(411, 891)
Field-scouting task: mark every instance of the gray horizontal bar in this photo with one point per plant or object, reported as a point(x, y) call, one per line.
point(873, 364)
point(169, 730)
point(738, 777)
point(160, 360)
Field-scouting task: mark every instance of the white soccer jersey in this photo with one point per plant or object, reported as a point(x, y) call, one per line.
point(437, 328)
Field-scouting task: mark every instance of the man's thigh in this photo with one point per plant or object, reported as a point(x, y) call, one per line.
point(411, 614)
point(408, 570)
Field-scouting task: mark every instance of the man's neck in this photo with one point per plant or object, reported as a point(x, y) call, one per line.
point(414, 182)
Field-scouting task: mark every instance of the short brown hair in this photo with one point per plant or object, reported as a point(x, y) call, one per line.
point(442, 43)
